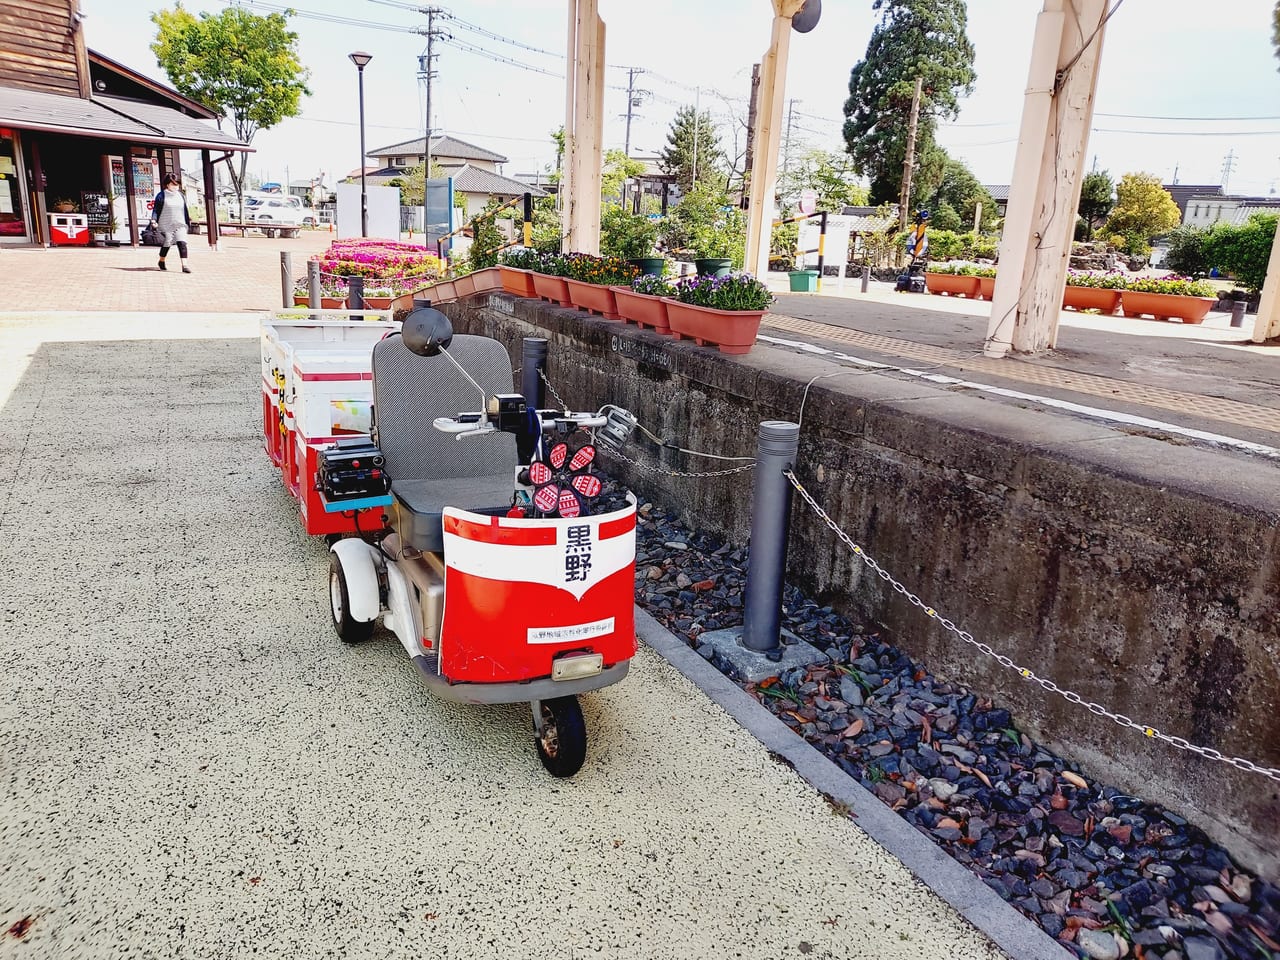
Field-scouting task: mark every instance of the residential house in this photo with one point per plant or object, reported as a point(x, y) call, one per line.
point(1000, 194)
point(476, 171)
point(79, 127)
point(1205, 210)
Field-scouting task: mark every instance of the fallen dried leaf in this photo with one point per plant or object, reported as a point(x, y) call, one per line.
point(853, 729)
point(1075, 779)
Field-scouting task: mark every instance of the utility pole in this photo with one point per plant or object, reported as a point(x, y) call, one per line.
point(786, 140)
point(909, 163)
point(1228, 165)
point(753, 104)
point(633, 100)
point(427, 72)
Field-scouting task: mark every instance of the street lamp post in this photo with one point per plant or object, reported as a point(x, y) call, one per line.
point(361, 60)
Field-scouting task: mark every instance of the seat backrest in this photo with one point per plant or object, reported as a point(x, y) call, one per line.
point(410, 391)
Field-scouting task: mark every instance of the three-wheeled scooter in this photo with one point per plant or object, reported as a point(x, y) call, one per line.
point(492, 568)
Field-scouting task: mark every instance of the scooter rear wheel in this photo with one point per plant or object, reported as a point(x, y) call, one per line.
point(348, 630)
point(562, 742)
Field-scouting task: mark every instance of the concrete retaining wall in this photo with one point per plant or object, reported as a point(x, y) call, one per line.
point(1140, 573)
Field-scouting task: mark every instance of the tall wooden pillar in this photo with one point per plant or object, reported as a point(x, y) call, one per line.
point(210, 200)
point(1048, 168)
point(767, 138)
point(1267, 324)
point(584, 127)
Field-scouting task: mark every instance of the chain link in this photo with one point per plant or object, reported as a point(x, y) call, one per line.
point(1025, 672)
point(659, 469)
point(552, 390)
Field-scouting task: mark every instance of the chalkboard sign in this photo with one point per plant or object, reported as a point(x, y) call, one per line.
point(98, 210)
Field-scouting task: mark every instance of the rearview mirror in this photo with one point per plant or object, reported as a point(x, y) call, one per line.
point(427, 331)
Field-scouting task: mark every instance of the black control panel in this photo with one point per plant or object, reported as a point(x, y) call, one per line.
point(353, 469)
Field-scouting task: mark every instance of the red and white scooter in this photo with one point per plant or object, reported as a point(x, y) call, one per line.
point(491, 568)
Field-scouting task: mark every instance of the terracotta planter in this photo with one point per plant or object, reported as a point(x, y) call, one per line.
point(518, 283)
point(333, 303)
point(952, 284)
point(378, 303)
point(733, 331)
point(553, 289)
point(1091, 298)
point(440, 291)
point(1165, 306)
point(487, 280)
point(465, 285)
point(986, 288)
point(642, 309)
point(301, 300)
point(594, 298)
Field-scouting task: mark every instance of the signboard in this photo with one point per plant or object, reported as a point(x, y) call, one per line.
point(837, 246)
point(808, 201)
point(384, 211)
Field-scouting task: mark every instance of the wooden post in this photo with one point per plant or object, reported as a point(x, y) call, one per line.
point(908, 164)
point(1045, 186)
point(39, 208)
point(130, 193)
point(210, 200)
point(584, 128)
point(1267, 323)
point(752, 110)
point(767, 139)
point(977, 218)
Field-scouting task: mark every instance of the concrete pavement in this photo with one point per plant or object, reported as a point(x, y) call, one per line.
point(193, 765)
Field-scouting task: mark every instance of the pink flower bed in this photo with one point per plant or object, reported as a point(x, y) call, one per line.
point(377, 259)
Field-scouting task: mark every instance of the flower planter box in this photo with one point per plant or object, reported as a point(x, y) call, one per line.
point(487, 280)
point(333, 303)
point(733, 331)
point(594, 298)
point(378, 303)
point(952, 284)
point(1091, 298)
point(986, 288)
point(301, 300)
point(465, 285)
point(518, 283)
point(1165, 306)
point(642, 309)
point(553, 289)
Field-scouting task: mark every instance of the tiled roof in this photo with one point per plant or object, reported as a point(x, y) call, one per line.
point(112, 117)
point(1246, 211)
point(441, 146)
point(999, 191)
point(469, 179)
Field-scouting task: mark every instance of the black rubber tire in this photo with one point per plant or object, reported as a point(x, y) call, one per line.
point(563, 756)
point(348, 630)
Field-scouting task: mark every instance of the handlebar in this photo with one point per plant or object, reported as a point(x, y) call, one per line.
point(475, 424)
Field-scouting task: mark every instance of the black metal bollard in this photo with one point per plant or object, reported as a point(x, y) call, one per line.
point(1238, 308)
point(355, 295)
point(286, 279)
point(533, 361)
point(777, 445)
point(866, 277)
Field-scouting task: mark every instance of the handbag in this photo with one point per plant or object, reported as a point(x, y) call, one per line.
point(150, 236)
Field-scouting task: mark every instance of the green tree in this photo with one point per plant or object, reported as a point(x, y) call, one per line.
point(1143, 209)
point(241, 63)
point(957, 189)
point(706, 224)
point(411, 185)
point(1187, 251)
point(486, 239)
point(1097, 197)
point(617, 169)
point(1243, 251)
point(830, 175)
point(1275, 28)
point(914, 38)
point(692, 135)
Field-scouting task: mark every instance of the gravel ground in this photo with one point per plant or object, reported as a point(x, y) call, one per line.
point(1109, 875)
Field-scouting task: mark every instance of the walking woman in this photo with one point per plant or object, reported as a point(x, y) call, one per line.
point(172, 219)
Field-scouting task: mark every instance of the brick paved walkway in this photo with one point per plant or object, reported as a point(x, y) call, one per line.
point(243, 275)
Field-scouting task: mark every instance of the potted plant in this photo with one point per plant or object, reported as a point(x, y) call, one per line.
point(1093, 291)
point(379, 297)
point(644, 304)
point(630, 237)
point(333, 296)
point(724, 311)
point(714, 249)
point(589, 280)
point(986, 282)
point(950, 279)
point(549, 282)
point(63, 205)
point(516, 267)
point(1166, 298)
point(301, 298)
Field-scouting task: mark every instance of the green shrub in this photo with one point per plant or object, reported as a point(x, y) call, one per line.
point(1243, 251)
point(626, 235)
point(1187, 251)
point(1179, 286)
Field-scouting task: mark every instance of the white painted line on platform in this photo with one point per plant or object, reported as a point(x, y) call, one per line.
point(1099, 413)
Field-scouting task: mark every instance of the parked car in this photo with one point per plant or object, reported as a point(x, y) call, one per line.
point(272, 214)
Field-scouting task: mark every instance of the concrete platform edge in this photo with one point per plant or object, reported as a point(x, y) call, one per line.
point(1006, 927)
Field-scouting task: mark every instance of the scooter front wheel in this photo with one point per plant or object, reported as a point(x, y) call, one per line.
point(560, 734)
point(348, 629)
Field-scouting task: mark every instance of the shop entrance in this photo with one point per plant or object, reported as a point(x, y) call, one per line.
point(13, 222)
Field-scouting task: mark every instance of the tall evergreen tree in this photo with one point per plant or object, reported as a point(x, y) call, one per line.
point(915, 38)
point(1097, 197)
point(692, 135)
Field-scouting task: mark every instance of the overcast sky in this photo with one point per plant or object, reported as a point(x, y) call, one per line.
point(1163, 61)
